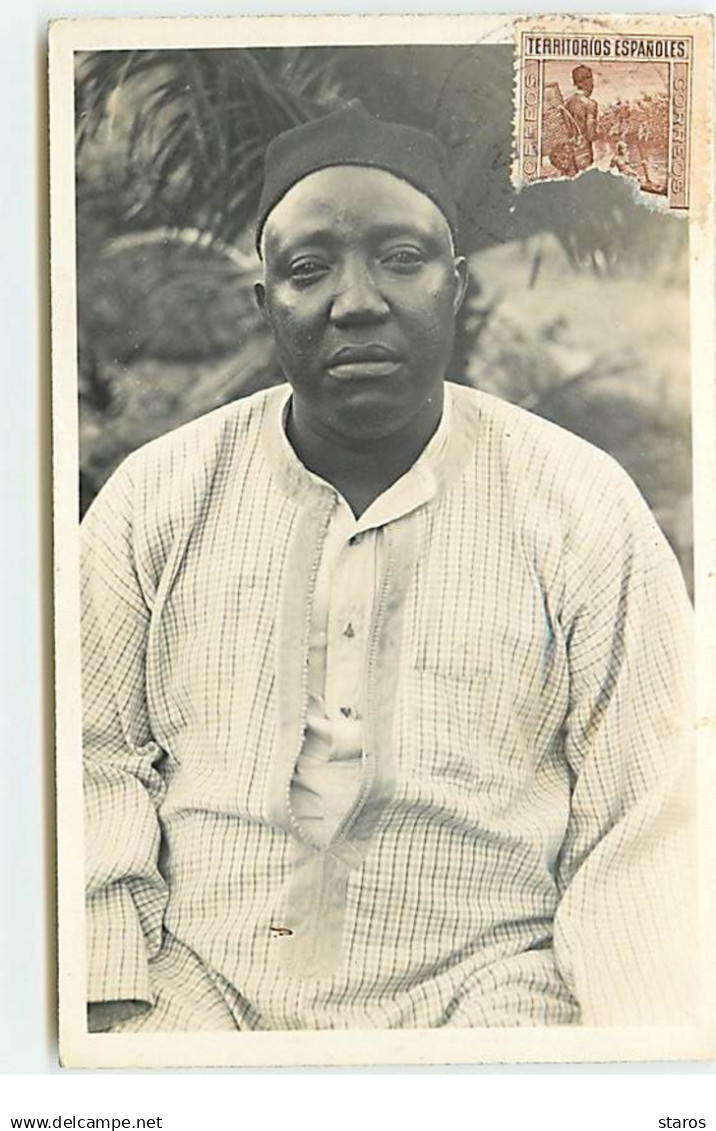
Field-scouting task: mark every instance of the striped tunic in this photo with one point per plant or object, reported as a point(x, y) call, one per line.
point(520, 850)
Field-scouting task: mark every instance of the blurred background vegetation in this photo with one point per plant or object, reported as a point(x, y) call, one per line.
point(577, 307)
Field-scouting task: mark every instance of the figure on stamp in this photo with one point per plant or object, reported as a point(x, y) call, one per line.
point(569, 128)
point(382, 728)
point(583, 110)
point(620, 161)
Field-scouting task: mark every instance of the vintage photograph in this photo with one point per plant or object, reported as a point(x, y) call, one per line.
point(378, 470)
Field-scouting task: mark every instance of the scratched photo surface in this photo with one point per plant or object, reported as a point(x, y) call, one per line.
point(478, 877)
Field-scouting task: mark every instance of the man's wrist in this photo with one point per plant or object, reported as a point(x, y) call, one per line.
point(102, 1016)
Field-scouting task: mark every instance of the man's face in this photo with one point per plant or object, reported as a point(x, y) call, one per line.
point(586, 83)
point(361, 287)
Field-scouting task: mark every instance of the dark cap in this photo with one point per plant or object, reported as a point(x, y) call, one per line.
point(353, 137)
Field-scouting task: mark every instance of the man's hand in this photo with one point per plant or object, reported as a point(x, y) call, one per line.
point(103, 1015)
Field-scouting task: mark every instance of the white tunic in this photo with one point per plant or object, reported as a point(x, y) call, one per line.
point(327, 779)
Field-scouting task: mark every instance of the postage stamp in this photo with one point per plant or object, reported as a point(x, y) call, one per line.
point(614, 102)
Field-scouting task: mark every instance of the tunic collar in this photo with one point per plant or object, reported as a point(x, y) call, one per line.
point(437, 465)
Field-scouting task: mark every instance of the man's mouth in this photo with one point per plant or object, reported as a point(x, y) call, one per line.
point(373, 360)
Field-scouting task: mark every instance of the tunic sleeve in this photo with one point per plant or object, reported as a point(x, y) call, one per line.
point(624, 929)
point(126, 894)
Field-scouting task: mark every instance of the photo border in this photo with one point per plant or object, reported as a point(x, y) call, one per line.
point(540, 1045)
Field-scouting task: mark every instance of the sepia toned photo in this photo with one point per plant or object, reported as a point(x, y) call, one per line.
point(380, 474)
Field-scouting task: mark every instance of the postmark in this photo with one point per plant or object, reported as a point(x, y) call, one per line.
point(619, 102)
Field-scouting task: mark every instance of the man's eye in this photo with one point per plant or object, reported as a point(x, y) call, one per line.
point(307, 270)
point(404, 258)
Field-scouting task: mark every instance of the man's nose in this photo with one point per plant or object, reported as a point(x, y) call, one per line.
point(358, 298)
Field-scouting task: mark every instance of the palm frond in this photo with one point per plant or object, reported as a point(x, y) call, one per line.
point(192, 125)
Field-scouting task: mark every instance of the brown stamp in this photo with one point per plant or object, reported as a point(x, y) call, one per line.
point(619, 102)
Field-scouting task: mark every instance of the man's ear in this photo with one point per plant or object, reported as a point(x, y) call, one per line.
point(260, 296)
point(461, 279)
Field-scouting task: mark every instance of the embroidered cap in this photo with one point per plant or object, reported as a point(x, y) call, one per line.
point(352, 136)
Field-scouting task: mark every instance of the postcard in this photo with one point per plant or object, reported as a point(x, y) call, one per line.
point(385, 567)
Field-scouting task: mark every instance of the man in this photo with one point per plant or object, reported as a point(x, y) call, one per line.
point(583, 110)
point(620, 161)
point(384, 678)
